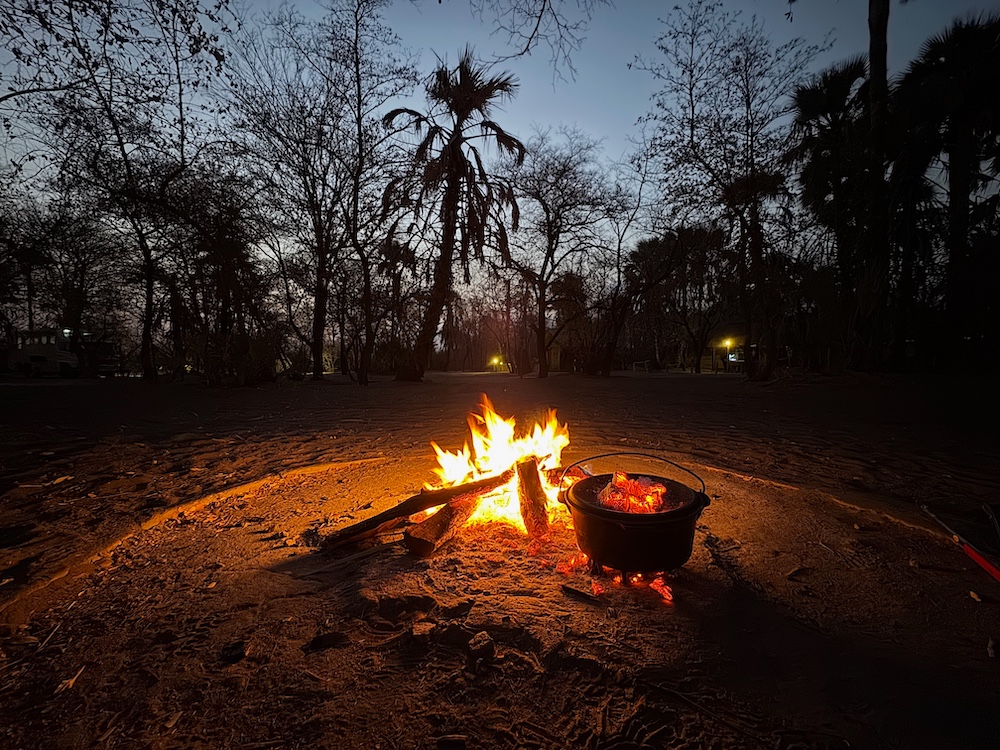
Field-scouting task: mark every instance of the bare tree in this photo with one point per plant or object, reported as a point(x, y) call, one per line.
point(619, 289)
point(290, 115)
point(722, 128)
point(310, 96)
point(558, 24)
point(129, 125)
point(563, 205)
point(376, 74)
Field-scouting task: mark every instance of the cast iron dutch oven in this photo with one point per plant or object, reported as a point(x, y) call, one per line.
point(635, 542)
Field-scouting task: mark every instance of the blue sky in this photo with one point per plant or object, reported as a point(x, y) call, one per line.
point(606, 98)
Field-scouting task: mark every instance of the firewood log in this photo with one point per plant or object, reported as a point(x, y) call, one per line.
point(394, 516)
point(424, 538)
point(532, 498)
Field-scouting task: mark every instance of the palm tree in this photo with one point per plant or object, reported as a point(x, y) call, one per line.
point(831, 138)
point(876, 247)
point(946, 94)
point(450, 175)
point(830, 131)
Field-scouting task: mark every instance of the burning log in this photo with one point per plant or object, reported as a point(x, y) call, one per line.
point(533, 500)
point(424, 538)
point(393, 517)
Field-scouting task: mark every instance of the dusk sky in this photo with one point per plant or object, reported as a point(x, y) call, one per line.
point(607, 98)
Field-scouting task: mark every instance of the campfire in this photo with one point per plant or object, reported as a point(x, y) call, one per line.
point(501, 477)
point(528, 497)
point(639, 525)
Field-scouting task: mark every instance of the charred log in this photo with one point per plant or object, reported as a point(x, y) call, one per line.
point(425, 538)
point(393, 517)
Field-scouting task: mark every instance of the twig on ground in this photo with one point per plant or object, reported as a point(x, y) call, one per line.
point(711, 714)
point(816, 732)
point(578, 594)
point(67, 684)
point(48, 638)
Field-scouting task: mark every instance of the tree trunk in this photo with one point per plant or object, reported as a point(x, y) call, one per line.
point(368, 345)
point(541, 333)
point(876, 275)
point(746, 298)
point(343, 348)
point(440, 288)
point(321, 298)
point(959, 287)
point(146, 341)
point(432, 315)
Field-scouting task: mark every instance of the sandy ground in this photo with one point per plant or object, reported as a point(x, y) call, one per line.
point(161, 584)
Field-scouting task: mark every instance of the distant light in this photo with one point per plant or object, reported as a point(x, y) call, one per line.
point(496, 360)
point(728, 343)
point(66, 332)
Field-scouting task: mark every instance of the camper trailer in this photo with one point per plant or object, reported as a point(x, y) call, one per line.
point(45, 351)
point(50, 351)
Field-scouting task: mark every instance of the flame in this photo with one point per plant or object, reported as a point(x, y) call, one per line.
point(495, 449)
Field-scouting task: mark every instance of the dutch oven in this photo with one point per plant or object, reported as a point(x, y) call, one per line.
point(635, 542)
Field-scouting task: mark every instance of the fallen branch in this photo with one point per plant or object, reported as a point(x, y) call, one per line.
point(395, 515)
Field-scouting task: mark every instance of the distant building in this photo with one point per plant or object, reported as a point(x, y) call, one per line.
point(49, 351)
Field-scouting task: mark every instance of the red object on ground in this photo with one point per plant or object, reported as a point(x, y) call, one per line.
point(975, 555)
point(981, 561)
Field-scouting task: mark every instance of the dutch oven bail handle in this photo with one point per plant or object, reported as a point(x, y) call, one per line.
point(562, 490)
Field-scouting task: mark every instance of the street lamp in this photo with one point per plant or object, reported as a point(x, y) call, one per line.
point(728, 344)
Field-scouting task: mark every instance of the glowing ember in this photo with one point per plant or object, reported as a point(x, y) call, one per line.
point(660, 587)
point(566, 567)
point(628, 495)
point(495, 448)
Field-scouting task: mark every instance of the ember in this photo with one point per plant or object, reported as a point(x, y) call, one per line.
point(638, 495)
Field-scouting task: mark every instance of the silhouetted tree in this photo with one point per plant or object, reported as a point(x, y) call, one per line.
point(721, 120)
point(875, 250)
point(560, 24)
point(690, 269)
point(291, 116)
point(563, 202)
point(129, 125)
point(830, 148)
point(220, 313)
point(451, 179)
point(945, 102)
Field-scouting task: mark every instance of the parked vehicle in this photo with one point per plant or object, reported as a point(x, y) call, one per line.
point(49, 351)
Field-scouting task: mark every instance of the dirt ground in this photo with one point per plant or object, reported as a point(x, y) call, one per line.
point(161, 583)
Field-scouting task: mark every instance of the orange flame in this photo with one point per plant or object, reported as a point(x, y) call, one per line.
point(497, 448)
